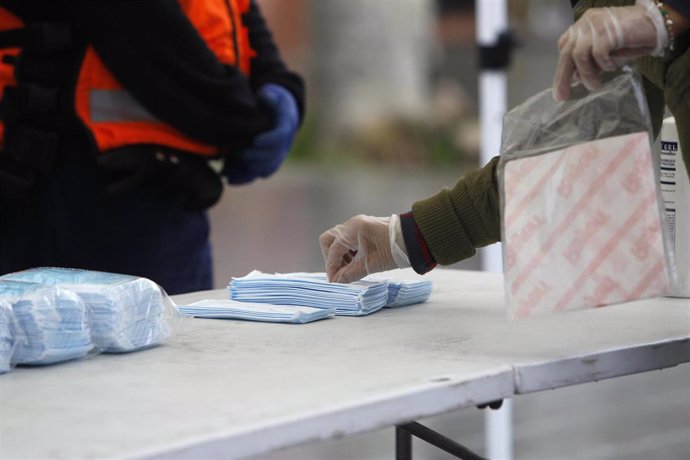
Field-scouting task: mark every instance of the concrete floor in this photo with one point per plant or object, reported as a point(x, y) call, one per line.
point(274, 226)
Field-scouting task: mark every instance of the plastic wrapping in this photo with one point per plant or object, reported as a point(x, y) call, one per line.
point(541, 124)
point(52, 322)
point(9, 335)
point(580, 205)
point(126, 313)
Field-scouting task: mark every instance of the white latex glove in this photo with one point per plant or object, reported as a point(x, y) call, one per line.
point(606, 38)
point(361, 246)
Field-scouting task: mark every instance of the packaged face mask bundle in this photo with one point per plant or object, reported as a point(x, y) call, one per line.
point(8, 335)
point(310, 290)
point(52, 321)
point(126, 313)
point(405, 292)
point(581, 209)
point(230, 309)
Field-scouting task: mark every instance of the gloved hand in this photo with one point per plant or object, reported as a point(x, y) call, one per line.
point(361, 246)
point(606, 38)
point(268, 151)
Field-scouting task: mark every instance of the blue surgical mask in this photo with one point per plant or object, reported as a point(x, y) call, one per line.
point(312, 290)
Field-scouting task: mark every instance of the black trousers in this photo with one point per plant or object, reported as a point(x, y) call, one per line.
point(67, 220)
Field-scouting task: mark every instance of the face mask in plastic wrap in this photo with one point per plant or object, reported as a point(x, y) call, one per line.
point(8, 335)
point(52, 321)
point(126, 313)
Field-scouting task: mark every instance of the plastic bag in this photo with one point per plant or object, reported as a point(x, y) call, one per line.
point(52, 321)
point(9, 335)
point(580, 205)
point(126, 313)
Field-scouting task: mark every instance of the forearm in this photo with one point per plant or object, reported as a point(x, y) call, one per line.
point(456, 221)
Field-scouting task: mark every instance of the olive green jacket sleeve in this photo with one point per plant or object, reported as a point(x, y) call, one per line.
point(456, 221)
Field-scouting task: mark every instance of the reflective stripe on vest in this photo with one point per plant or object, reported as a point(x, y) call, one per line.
point(8, 21)
point(117, 119)
point(114, 105)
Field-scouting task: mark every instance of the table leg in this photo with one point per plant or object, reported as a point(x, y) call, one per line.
point(403, 436)
point(403, 444)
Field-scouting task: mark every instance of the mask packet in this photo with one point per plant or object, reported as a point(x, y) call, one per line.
point(52, 323)
point(9, 335)
point(581, 210)
point(126, 313)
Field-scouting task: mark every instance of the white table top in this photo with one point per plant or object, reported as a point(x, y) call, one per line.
point(233, 389)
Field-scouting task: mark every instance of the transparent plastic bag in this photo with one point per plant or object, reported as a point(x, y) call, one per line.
point(9, 335)
point(52, 323)
point(541, 125)
point(580, 206)
point(126, 313)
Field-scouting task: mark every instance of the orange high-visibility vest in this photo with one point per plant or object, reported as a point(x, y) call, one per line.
point(8, 21)
point(114, 117)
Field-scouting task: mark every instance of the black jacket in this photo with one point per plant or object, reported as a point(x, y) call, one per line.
point(155, 52)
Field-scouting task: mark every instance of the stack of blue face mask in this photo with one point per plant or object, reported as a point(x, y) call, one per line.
point(126, 313)
point(52, 320)
point(405, 292)
point(230, 309)
point(311, 290)
point(8, 335)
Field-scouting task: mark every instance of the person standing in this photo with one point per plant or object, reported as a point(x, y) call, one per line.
point(111, 112)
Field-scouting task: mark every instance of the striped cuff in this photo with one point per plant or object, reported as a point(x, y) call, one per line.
point(418, 251)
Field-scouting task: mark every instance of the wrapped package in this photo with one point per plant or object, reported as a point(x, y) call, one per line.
point(52, 322)
point(8, 335)
point(126, 313)
point(581, 207)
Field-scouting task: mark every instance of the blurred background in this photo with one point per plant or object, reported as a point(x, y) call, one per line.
point(392, 117)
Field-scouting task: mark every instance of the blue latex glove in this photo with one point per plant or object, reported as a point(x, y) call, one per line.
point(268, 151)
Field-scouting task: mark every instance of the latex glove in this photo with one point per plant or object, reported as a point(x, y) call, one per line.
point(604, 39)
point(269, 150)
point(361, 246)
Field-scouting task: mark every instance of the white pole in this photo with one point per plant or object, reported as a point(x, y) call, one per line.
point(492, 20)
